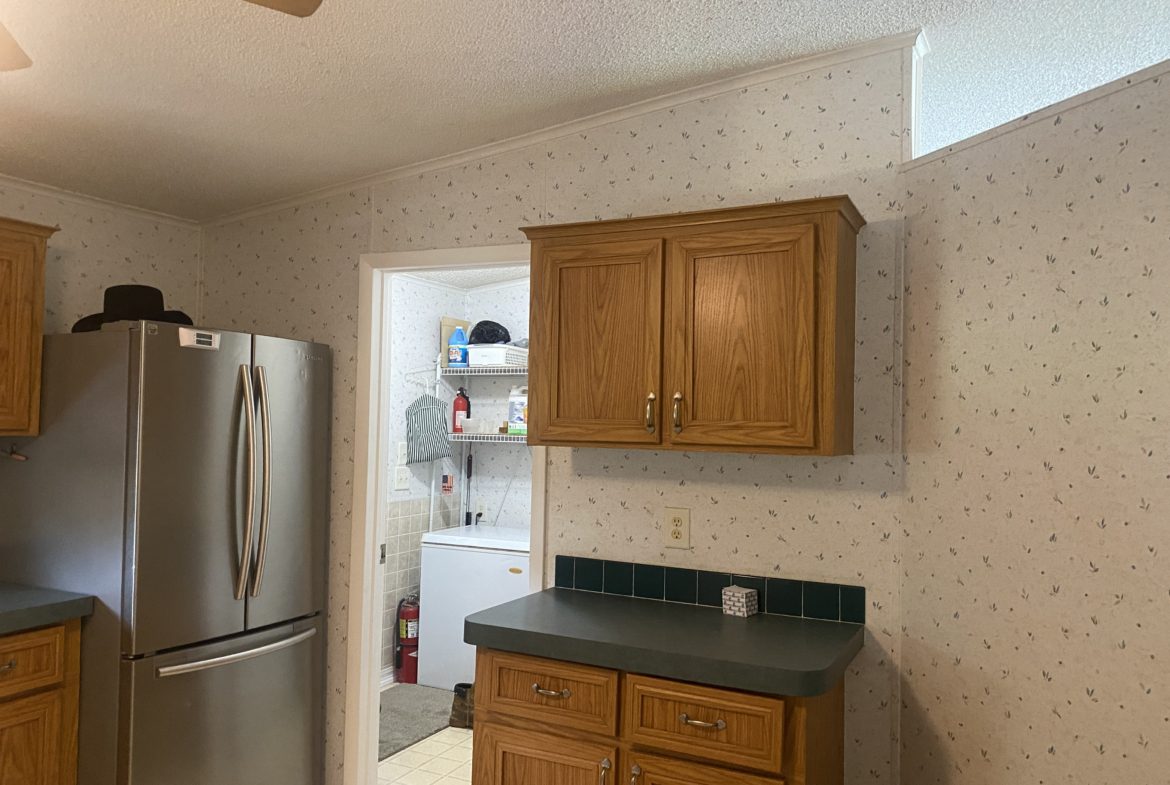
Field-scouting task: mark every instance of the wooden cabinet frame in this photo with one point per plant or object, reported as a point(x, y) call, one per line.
point(731, 284)
point(22, 310)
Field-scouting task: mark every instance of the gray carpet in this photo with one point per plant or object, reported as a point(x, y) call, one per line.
point(410, 713)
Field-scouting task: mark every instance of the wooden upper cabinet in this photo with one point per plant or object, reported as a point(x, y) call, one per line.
point(597, 337)
point(22, 306)
point(727, 330)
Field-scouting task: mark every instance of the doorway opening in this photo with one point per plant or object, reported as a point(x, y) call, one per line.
point(454, 497)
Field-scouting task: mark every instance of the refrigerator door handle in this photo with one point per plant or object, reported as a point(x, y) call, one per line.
point(240, 656)
point(266, 478)
point(250, 486)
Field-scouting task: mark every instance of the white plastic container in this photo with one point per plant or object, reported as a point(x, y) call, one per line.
point(496, 354)
point(518, 411)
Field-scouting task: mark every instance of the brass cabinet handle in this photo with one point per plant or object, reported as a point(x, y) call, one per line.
point(635, 773)
point(716, 725)
point(650, 399)
point(8, 666)
point(606, 765)
point(677, 412)
point(565, 693)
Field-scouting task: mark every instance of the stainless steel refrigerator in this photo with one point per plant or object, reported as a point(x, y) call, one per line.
point(182, 477)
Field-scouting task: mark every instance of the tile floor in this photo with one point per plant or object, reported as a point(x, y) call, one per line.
point(441, 759)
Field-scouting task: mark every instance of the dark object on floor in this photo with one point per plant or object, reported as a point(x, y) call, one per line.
point(489, 332)
point(463, 706)
point(410, 713)
point(130, 302)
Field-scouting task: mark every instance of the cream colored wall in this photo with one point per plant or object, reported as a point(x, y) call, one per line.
point(294, 274)
point(824, 132)
point(1035, 545)
point(99, 245)
point(828, 131)
point(1012, 555)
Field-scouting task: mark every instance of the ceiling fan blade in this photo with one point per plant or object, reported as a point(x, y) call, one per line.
point(294, 7)
point(12, 57)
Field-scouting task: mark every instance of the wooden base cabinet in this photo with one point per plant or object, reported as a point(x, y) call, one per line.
point(546, 722)
point(22, 307)
point(728, 330)
point(508, 756)
point(39, 681)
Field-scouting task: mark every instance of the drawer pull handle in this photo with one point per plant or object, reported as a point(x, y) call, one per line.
point(650, 412)
point(677, 412)
point(606, 765)
point(635, 773)
point(8, 666)
point(716, 725)
point(565, 693)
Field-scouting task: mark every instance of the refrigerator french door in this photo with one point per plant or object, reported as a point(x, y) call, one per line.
point(229, 502)
point(225, 555)
point(182, 477)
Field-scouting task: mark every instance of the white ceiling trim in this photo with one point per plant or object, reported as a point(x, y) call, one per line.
point(1097, 93)
point(51, 192)
point(909, 40)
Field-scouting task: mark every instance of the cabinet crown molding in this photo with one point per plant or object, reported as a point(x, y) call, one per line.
point(841, 203)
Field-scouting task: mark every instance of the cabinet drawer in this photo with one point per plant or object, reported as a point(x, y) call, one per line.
point(32, 660)
point(702, 722)
point(642, 769)
point(559, 693)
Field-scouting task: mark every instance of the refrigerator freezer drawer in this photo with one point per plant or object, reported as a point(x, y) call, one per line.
point(247, 711)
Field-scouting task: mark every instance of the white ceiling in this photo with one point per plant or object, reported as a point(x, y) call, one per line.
point(202, 107)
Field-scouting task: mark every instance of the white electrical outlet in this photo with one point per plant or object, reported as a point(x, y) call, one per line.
point(676, 527)
point(401, 453)
point(480, 511)
point(402, 479)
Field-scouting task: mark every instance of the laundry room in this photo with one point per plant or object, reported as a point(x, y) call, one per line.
point(459, 478)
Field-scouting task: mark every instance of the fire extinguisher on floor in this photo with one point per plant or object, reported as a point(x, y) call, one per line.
point(406, 646)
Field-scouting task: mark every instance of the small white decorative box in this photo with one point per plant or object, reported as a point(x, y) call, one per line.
point(738, 601)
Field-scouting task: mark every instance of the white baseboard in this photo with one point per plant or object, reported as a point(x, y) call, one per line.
point(387, 679)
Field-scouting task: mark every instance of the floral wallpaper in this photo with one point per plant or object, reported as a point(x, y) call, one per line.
point(824, 132)
point(99, 245)
point(1034, 569)
point(294, 274)
point(1001, 507)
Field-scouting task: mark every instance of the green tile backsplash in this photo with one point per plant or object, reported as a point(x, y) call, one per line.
point(810, 599)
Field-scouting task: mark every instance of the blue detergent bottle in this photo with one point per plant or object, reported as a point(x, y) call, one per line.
point(457, 349)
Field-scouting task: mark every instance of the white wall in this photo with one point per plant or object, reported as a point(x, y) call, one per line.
point(1036, 563)
point(100, 244)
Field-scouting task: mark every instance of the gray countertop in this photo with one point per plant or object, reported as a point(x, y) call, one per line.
point(776, 655)
point(26, 607)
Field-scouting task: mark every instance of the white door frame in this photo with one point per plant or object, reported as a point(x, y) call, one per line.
point(364, 625)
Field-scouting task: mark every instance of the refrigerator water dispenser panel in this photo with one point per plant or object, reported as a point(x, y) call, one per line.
point(190, 338)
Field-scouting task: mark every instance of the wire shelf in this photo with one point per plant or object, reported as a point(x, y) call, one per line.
point(502, 438)
point(488, 370)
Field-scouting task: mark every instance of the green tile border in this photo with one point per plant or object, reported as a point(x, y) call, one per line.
point(778, 596)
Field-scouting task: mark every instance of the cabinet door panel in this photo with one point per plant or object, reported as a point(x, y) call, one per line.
point(20, 333)
point(508, 756)
point(30, 740)
point(741, 340)
point(596, 333)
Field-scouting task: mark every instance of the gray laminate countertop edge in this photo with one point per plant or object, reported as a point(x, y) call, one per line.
point(775, 655)
point(28, 607)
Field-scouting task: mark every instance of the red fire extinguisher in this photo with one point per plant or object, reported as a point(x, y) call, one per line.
point(406, 652)
point(460, 410)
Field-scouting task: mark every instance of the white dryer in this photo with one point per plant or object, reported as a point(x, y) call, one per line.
point(464, 570)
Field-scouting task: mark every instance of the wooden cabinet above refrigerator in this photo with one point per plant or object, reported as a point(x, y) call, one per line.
point(728, 330)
